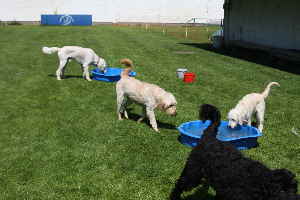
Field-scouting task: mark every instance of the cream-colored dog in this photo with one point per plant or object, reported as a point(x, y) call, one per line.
point(84, 56)
point(148, 95)
point(247, 106)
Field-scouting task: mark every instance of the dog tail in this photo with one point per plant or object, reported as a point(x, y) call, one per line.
point(128, 64)
point(212, 113)
point(50, 50)
point(266, 92)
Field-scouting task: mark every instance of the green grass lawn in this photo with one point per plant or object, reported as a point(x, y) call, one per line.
point(62, 139)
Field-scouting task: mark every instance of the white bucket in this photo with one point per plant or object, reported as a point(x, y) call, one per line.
point(180, 72)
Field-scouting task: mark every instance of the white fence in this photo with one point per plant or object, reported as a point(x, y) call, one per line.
point(154, 11)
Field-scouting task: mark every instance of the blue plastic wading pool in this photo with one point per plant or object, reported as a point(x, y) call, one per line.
point(111, 75)
point(242, 137)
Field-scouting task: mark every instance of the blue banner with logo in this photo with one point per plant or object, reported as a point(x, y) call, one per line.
point(67, 20)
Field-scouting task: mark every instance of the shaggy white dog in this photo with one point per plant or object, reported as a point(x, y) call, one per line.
point(247, 106)
point(148, 95)
point(84, 56)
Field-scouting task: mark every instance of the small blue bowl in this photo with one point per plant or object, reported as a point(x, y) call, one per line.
point(242, 137)
point(111, 75)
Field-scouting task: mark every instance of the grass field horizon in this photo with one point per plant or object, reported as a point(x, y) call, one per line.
point(62, 139)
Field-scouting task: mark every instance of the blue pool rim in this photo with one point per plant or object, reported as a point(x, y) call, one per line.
point(241, 143)
point(113, 77)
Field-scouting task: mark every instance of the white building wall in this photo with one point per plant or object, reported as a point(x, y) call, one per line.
point(162, 11)
point(271, 23)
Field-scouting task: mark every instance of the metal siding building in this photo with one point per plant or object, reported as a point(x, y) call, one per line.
point(262, 24)
point(156, 11)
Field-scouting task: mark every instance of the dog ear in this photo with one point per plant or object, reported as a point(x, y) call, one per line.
point(161, 106)
point(165, 106)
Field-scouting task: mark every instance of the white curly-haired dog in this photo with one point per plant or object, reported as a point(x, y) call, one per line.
point(84, 56)
point(247, 106)
point(148, 95)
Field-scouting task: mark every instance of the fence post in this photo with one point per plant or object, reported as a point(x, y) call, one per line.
point(164, 29)
point(186, 31)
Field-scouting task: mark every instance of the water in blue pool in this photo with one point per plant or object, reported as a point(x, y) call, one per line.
point(196, 128)
point(111, 71)
point(111, 74)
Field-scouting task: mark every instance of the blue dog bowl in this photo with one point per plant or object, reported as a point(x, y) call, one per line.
point(111, 75)
point(242, 137)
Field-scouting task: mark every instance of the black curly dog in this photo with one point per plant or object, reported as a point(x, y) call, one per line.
point(233, 176)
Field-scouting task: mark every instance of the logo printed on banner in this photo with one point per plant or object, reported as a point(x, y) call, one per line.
point(66, 20)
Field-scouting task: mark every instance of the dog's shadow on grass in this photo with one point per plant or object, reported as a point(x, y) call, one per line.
point(263, 58)
point(66, 76)
point(135, 117)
